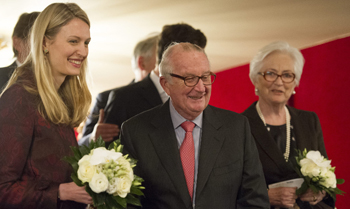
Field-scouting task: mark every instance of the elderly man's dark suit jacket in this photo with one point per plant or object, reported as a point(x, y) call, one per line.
point(5, 74)
point(229, 171)
point(308, 134)
point(128, 101)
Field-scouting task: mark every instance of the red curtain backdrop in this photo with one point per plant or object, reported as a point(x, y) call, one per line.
point(324, 88)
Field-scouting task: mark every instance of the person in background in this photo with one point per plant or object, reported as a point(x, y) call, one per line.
point(21, 45)
point(143, 62)
point(279, 129)
point(44, 100)
point(191, 154)
point(128, 101)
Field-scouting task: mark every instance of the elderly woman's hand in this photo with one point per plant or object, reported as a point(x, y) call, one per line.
point(311, 197)
point(282, 196)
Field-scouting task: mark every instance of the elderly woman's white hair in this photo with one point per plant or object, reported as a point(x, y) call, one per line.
point(279, 46)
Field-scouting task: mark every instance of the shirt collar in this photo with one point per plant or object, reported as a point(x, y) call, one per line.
point(156, 82)
point(177, 119)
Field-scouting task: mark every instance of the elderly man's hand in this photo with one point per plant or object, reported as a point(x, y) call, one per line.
point(106, 130)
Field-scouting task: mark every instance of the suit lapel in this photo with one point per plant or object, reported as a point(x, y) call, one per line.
point(210, 147)
point(149, 92)
point(165, 144)
point(263, 138)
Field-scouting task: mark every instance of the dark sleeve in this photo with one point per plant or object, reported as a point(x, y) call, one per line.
point(321, 147)
point(116, 111)
point(18, 186)
point(116, 108)
point(128, 149)
point(92, 119)
point(319, 136)
point(253, 192)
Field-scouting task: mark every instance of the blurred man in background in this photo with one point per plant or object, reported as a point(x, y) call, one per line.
point(142, 62)
point(21, 45)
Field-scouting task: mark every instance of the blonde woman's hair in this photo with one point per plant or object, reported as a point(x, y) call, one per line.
point(69, 105)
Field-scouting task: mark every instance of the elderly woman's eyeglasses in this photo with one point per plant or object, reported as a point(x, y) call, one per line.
point(272, 76)
point(191, 81)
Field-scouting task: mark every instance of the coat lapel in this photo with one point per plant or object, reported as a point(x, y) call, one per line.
point(165, 144)
point(263, 138)
point(149, 92)
point(301, 135)
point(210, 147)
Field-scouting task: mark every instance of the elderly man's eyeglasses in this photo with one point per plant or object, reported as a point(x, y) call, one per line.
point(191, 81)
point(272, 76)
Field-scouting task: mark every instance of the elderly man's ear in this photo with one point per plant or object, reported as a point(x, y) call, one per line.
point(165, 84)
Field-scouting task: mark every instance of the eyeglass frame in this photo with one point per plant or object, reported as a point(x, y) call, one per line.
point(199, 78)
point(278, 75)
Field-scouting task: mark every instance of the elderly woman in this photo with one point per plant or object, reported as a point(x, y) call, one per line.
point(279, 129)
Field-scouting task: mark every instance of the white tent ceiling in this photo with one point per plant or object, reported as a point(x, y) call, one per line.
point(235, 29)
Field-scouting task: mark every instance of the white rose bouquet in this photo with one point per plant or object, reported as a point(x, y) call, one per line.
point(317, 172)
point(106, 174)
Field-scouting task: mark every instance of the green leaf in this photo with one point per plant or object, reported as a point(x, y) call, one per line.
point(338, 191)
point(111, 203)
point(76, 152)
point(112, 146)
point(131, 199)
point(302, 189)
point(84, 150)
point(98, 199)
point(340, 181)
point(314, 188)
point(136, 191)
point(76, 180)
point(99, 142)
point(72, 161)
point(120, 201)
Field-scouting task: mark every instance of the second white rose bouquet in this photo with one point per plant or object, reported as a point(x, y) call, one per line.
point(317, 172)
point(107, 175)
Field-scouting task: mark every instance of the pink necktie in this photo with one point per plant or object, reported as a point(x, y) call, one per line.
point(187, 155)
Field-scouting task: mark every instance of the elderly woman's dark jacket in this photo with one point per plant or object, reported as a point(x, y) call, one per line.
point(307, 133)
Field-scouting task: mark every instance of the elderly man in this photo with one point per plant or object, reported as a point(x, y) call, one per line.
point(128, 101)
point(143, 62)
point(191, 154)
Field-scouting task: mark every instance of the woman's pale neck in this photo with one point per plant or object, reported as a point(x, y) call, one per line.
point(274, 114)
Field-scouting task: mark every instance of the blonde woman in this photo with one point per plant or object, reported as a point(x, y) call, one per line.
point(45, 98)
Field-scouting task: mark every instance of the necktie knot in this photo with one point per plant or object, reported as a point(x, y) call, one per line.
point(188, 126)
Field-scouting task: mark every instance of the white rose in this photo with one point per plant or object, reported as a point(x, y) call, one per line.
point(318, 159)
point(124, 168)
point(86, 170)
point(99, 183)
point(123, 186)
point(101, 156)
point(309, 168)
point(329, 180)
point(112, 186)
